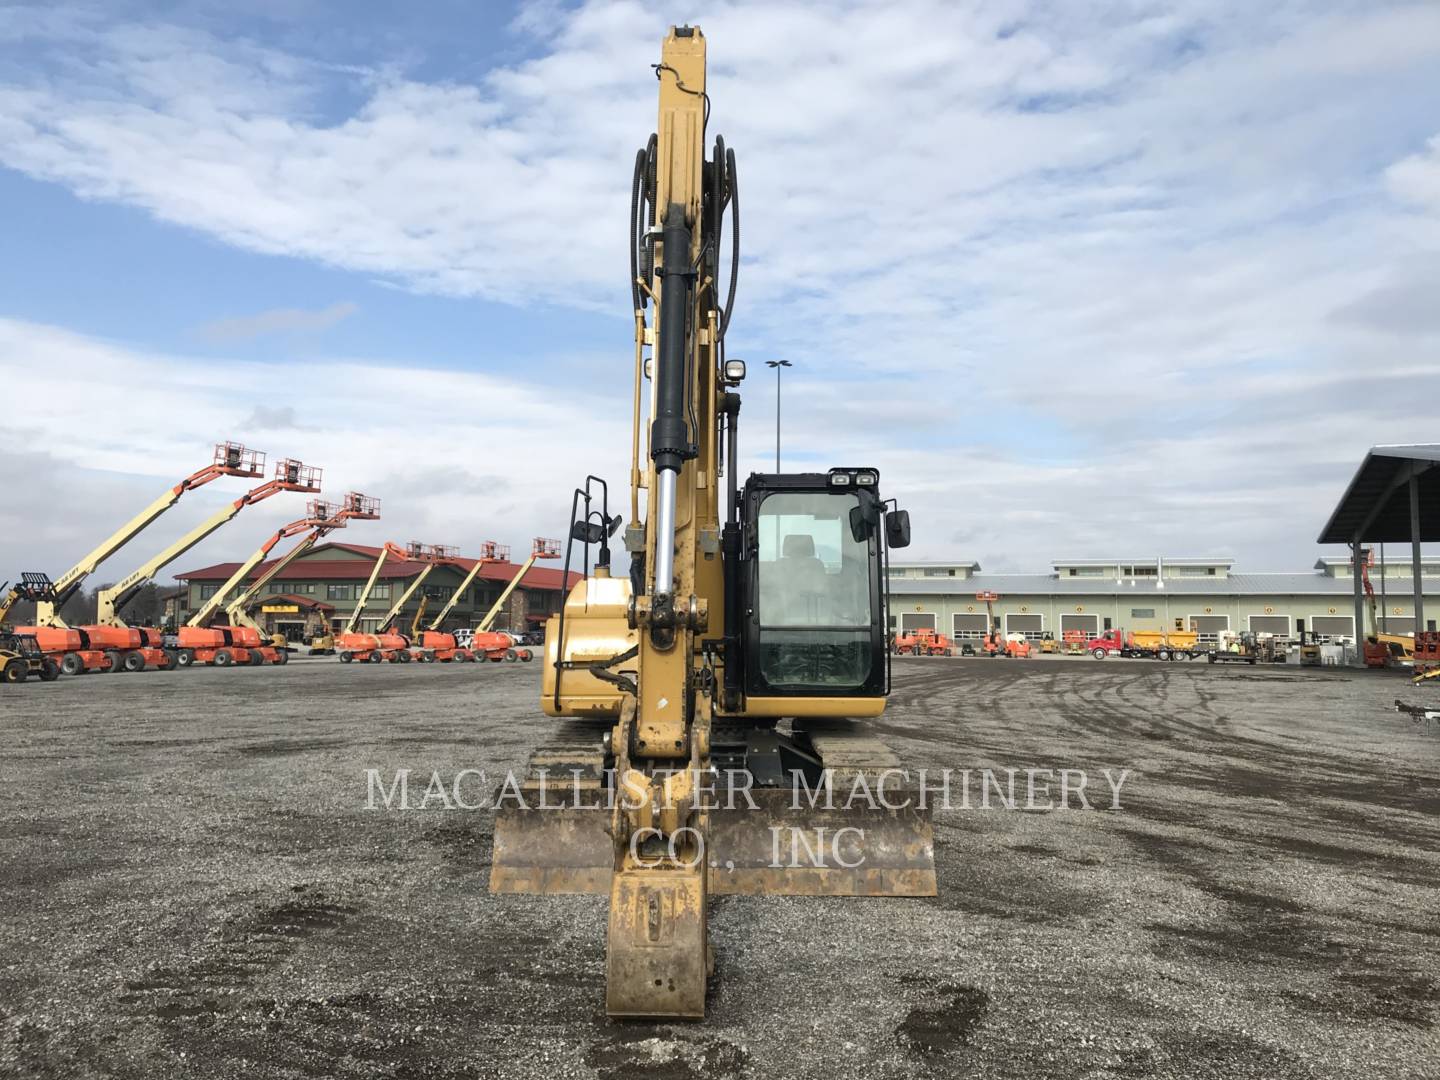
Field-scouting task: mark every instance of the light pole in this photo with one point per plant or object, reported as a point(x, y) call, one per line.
point(777, 365)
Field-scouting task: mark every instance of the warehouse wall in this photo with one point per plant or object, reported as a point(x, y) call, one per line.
point(1146, 612)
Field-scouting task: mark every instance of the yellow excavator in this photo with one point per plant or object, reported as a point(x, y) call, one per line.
point(718, 690)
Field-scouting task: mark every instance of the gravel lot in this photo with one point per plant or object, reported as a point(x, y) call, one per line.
point(193, 886)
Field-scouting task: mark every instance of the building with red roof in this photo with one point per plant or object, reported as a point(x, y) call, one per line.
point(320, 588)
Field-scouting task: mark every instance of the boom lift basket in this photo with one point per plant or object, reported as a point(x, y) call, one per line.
point(361, 507)
point(493, 552)
point(236, 460)
point(290, 471)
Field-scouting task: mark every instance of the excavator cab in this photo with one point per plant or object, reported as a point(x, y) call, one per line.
point(812, 583)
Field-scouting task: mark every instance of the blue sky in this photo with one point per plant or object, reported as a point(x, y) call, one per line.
point(1147, 276)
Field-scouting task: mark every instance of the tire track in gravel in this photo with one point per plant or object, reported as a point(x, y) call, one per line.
point(245, 949)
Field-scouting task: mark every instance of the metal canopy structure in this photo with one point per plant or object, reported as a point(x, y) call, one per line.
point(1394, 498)
point(1375, 508)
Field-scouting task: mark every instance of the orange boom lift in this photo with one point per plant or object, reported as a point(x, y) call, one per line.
point(147, 650)
point(384, 643)
point(494, 645)
point(73, 647)
point(241, 641)
point(442, 646)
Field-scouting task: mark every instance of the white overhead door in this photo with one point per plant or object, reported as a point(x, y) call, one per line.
point(1397, 624)
point(917, 620)
point(1278, 625)
point(1032, 626)
point(1334, 626)
point(969, 626)
point(1089, 625)
point(1209, 627)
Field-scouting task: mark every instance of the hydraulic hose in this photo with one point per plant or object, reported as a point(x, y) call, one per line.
point(734, 186)
point(637, 298)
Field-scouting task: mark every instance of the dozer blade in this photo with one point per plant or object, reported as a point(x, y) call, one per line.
point(552, 851)
point(869, 833)
point(775, 849)
point(789, 842)
point(785, 849)
point(560, 841)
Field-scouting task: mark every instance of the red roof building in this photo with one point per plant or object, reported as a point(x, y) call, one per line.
point(332, 575)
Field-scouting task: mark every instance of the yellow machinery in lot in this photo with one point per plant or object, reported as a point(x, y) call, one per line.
point(20, 654)
point(739, 650)
point(34, 588)
point(22, 657)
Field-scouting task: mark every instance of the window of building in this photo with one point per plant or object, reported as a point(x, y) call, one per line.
point(339, 592)
point(1143, 571)
point(939, 572)
point(439, 592)
point(207, 591)
point(275, 587)
point(381, 591)
point(1142, 613)
point(1086, 571)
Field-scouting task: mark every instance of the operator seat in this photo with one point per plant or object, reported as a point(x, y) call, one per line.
point(802, 576)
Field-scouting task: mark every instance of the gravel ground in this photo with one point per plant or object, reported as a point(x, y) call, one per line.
point(193, 886)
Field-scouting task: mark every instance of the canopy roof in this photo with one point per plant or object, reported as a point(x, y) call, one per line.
point(1376, 506)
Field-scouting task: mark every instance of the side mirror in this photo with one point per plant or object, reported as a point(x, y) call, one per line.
point(897, 528)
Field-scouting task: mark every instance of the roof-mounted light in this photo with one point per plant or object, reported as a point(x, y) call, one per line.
point(734, 372)
point(839, 479)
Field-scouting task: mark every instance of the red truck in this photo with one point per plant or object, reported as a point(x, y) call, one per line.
point(1147, 644)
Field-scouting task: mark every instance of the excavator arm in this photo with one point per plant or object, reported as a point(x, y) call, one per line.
point(231, 459)
point(289, 476)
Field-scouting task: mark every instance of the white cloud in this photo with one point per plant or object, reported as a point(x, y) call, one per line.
point(276, 321)
point(1416, 179)
point(455, 458)
point(1074, 276)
